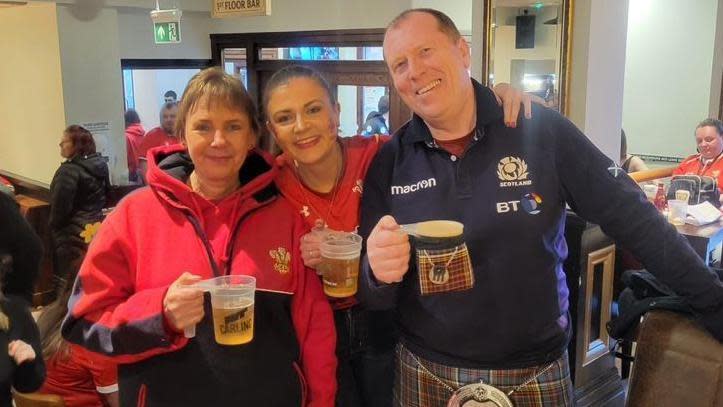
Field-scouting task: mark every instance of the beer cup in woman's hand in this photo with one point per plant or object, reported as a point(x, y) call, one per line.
point(183, 303)
point(388, 251)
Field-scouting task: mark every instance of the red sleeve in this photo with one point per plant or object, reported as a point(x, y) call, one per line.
point(103, 370)
point(105, 313)
point(314, 326)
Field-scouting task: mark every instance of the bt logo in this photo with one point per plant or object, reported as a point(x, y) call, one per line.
point(503, 207)
point(530, 203)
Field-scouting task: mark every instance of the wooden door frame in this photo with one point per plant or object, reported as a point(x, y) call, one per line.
point(254, 42)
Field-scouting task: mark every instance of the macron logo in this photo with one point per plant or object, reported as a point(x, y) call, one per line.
point(405, 189)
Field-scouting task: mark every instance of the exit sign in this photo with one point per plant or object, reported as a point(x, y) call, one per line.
point(167, 33)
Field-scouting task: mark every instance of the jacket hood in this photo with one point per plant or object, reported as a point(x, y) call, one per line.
point(135, 129)
point(170, 166)
point(94, 163)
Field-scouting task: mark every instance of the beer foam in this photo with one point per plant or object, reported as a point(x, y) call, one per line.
point(439, 228)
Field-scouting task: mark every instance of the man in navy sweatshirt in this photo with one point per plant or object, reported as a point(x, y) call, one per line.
point(504, 325)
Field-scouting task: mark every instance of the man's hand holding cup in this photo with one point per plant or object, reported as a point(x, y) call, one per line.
point(388, 251)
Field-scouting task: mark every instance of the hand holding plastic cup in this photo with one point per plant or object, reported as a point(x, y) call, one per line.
point(340, 263)
point(232, 305)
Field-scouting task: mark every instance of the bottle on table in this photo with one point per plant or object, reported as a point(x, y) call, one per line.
point(660, 201)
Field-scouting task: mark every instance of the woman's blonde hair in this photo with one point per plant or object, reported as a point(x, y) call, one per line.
point(49, 322)
point(213, 85)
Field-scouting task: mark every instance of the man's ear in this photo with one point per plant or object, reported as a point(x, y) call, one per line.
point(463, 47)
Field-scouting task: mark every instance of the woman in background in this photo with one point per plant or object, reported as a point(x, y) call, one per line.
point(134, 137)
point(77, 197)
point(629, 163)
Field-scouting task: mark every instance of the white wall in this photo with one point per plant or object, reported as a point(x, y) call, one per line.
point(598, 68)
point(460, 11)
point(31, 91)
point(92, 83)
point(668, 74)
point(717, 79)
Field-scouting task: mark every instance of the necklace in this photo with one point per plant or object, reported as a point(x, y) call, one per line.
point(477, 393)
point(335, 190)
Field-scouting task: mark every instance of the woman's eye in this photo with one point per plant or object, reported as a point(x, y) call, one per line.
point(202, 127)
point(234, 127)
point(284, 119)
point(314, 109)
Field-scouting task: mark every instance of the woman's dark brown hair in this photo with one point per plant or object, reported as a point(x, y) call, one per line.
point(82, 140)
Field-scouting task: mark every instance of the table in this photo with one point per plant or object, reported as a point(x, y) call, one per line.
point(706, 240)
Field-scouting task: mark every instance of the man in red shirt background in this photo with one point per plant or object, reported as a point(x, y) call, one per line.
point(159, 136)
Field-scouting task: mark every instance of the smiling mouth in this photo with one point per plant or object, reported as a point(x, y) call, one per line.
point(306, 142)
point(429, 87)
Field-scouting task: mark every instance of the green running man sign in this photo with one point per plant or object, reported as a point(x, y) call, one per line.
point(167, 33)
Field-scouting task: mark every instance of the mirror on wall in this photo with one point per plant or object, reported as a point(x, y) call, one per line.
point(527, 45)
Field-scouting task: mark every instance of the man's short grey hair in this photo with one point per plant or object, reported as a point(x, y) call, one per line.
point(444, 23)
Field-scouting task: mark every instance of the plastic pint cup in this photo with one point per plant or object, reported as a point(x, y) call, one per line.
point(678, 210)
point(340, 263)
point(232, 305)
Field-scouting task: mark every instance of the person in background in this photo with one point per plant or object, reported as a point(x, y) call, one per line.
point(82, 378)
point(6, 186)
point(21, 367)
point(322, 174)
point(77, 197)
point(211, 209)
point(709, 143)
point(376, 122)
point(134, 137)
point(491, 310)
point(170, 97)
point(629, 163)
point(20, 248)
point(159, 136)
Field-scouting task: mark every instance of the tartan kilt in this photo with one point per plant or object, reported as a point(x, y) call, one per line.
point(415, 388)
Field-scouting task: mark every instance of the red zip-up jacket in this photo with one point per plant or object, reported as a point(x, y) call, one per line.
point(157, 233)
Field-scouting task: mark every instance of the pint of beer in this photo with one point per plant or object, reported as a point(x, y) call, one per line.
point(339, 266)
point(232, 303)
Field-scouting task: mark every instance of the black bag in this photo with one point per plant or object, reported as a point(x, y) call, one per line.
point(702, 188)
point(643, 293)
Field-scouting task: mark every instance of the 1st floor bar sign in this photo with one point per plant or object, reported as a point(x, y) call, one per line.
point(238, 8)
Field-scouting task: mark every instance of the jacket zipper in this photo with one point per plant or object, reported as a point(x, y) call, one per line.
point(207, 245)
